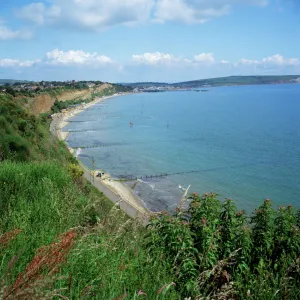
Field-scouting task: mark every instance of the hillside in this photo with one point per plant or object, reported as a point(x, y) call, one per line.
point(240, 80)
point(40, 97)
point(62, 239)
point(223, 81)
point(43, 102)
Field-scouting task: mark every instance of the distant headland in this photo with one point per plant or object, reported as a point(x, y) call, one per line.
point(213, 82)
point(201, 84)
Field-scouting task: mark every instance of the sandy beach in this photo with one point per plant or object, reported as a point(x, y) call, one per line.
point(60, 120)
point(124, 196)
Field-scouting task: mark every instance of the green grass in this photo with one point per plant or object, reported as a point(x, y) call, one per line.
point(42, 196)
point(24, 137)
point(109, 256)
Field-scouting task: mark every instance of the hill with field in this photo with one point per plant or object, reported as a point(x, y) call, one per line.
point(241, 80)
point(223, 81)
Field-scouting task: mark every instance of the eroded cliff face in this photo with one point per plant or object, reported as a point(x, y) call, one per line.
point(73, 95)
point(43, 103)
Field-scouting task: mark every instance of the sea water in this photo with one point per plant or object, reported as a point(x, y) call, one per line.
point(240, 142)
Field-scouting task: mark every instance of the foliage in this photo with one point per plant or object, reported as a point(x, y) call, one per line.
point(75, 171)
point(15, 147)
point(227, 255)
point(44, 203)
point(10, 91)
point(46, 262)
point(24, 137)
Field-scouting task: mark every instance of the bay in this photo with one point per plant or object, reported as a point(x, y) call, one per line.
point(240, 142)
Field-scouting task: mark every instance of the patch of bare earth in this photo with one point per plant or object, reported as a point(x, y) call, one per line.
point(43, 103)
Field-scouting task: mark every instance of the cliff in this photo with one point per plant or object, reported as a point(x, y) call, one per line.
point(43, 103)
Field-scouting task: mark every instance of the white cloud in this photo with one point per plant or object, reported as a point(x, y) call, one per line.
point(276, 60)
point(35, 12)
point(281, 61)
point(60, 58)
point(157, 62)
point(88, 14)
point(197, 11)
point(77, 57)
point(7, 33)
point(100, 14)
point(225, 62)
point(206, 61)
point(182, 11)
point(155, 58)
point(11, 63)
point(204, 58)
point(158, 58)
point(244, 61)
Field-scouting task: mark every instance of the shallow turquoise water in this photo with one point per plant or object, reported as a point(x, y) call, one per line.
point(242, 142)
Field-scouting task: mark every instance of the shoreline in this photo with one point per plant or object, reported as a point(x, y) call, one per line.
point(120, 193)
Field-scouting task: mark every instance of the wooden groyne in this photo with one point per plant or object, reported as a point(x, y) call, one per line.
point(163, 175)
point(154, 176)
point(101, 146)
point(89, 130)
point(79, 121)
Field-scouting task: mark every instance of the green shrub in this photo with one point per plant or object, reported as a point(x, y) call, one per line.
point(5, 127)
point(75, 171)
point(4, 110)
point(15, 147)
point(228, 254)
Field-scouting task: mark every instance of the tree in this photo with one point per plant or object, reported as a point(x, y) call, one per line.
point(10, 91)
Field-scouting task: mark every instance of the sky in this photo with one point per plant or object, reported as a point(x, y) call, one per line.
point(148, 40)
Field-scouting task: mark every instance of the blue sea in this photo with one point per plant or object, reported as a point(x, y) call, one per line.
point(240, 142)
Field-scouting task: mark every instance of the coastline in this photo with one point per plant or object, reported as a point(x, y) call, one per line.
point(116, 191)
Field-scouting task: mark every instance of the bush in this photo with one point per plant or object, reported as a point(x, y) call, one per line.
point(215, 251)
point(75, 172)
point(14, 147)
point(5, 127)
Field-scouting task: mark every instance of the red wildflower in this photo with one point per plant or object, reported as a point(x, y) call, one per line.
point(48, 258)
point(8, 236)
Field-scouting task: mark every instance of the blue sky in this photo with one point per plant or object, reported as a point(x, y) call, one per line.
point(148, 40)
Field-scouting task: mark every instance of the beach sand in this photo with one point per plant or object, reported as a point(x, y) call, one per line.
point(60, 120)
point(127, 199)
